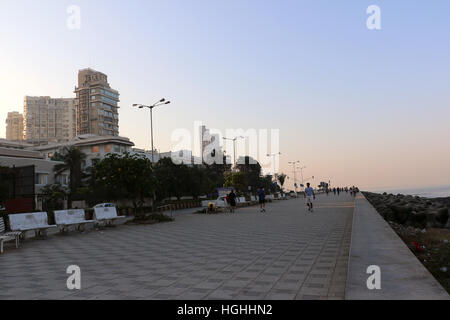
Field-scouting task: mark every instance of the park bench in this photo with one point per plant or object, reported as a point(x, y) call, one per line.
point(67, 218)
point(23, 222)
point(106, 214)
point(7, 236)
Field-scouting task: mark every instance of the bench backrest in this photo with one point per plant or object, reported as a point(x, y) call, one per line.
point(28, 221)
point(205, 203)
point(241, 199)
point(2, 225)
point(253, 198)
point(105, 213)
point(69, 216)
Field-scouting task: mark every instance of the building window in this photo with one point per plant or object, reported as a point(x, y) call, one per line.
point(108, 148)
point(63, 179)
point(41, 179)
point(95, 149)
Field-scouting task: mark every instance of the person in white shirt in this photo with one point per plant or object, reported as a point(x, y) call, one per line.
point(310, 195)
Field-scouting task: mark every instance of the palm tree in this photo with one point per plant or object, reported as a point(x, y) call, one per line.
point(73, 160)
point(281, 178)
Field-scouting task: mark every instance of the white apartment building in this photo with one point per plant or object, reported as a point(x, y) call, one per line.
point(49, 120)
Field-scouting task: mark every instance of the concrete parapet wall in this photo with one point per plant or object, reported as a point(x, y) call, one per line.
point(403, 277)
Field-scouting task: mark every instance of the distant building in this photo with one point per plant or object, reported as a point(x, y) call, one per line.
point(96, 105)
point(147, 154)
point(95, 147)
point(48, 120)
point(14, 126)
point(211, 150)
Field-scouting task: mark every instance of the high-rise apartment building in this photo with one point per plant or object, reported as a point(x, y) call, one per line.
point(96, 105)
point(14, 126)
point(49, 120)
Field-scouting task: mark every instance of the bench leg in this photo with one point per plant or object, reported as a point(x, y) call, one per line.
point(17, 241)
point(1, 245)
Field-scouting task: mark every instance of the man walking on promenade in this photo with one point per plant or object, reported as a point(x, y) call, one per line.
point(232, 198)
point(262, 199)
point(310, 195)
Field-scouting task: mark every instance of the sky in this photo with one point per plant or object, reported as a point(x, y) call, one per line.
point(355, 106)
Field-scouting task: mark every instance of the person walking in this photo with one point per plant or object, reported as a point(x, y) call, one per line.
point(338, 191)
point(262, 199)
point(310, 195)
point(232, 198)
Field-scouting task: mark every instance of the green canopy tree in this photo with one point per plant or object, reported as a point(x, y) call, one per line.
point(252, 171)
point(281, 179)
point(53, 196)
point(238, 180)
point(125, 177)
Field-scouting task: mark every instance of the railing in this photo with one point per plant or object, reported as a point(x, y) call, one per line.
point(169, 206)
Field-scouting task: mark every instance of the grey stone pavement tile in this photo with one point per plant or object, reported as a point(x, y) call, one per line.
point(286, 253)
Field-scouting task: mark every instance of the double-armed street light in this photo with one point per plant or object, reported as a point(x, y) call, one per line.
point(294, 163)
point(156, 104)
point(273, 162)
point(234, 145)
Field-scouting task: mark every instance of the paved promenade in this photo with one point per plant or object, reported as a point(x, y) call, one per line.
point(286, 253)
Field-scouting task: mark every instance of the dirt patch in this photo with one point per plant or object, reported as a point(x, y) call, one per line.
point(431, 247)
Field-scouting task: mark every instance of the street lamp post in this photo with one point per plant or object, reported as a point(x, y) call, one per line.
point(273, 162)
point(294, 163)
point(301, 170)
point(141, 106)
point(234, 145)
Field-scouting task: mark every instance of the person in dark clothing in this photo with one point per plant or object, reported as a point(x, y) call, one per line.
point(262, 199)
point(232, 199)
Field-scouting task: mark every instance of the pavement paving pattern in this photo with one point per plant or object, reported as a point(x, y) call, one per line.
point(286, 253)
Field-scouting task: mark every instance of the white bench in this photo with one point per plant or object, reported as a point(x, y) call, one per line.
point(37, 221)
point(106, 214)
point(7, 236)
point(67, 218)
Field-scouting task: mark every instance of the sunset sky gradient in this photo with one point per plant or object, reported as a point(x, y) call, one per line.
point(357, 107)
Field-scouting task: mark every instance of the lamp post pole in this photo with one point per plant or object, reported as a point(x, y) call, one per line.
point(273, 162)
point(294, 163)
point(141, 106)
point(157, 104)
point(234, 145)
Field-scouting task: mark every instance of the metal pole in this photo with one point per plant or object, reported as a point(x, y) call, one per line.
point(234, 148)
point(151, 125)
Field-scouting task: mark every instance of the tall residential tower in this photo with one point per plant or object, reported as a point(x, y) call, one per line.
point(14, 126)
point(96, 105)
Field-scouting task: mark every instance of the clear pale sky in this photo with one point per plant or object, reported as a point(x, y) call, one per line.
point(357, 107)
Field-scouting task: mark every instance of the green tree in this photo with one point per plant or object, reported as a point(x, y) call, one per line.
point(237, 180)
point(267, 183)
point(73, 162)
point(125, 177)
point(281, 179)
point(252, 171)
point(53, 196)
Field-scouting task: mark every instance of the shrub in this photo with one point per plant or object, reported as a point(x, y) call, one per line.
point(442, 216)
point(401, 213)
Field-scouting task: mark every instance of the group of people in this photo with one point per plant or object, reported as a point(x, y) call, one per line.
point(231, 199)
point(353, 190)
point(309, 194)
